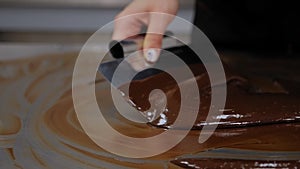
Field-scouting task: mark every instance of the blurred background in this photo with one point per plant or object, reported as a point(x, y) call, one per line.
point(250, 25)
point(69, 21)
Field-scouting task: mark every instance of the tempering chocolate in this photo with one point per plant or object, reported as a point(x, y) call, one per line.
point(42, 130)
point(230, 163)
point(243, 108)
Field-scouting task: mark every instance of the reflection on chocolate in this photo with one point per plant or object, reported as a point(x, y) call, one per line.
point(243, 108)
point(230, 163)
point(41, 130)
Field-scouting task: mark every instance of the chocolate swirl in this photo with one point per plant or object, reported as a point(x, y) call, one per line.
point(39, 128)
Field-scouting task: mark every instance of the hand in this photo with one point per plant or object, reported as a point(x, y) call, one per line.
point(155, 21)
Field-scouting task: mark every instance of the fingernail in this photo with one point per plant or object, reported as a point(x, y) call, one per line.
point(152, 55)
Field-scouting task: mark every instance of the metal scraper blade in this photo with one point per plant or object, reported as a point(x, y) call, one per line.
point(108, 69)
point(135, 65)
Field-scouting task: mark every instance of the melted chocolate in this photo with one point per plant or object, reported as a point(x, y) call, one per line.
point(37, 96)
point(231, 163)
point(243, 107)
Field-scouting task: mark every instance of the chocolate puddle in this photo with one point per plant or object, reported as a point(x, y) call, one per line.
point(45, 132)
point(243, 107)
point(231, 163)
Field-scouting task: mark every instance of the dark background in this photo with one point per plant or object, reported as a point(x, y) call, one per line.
point(252, 25)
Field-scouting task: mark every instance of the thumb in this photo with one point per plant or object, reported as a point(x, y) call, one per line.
point(158, 23)
point(152, 46)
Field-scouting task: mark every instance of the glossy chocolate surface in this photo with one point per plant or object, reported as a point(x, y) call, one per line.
point(40, 129)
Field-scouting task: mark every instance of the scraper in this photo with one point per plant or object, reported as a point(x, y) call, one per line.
point(129, 50)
